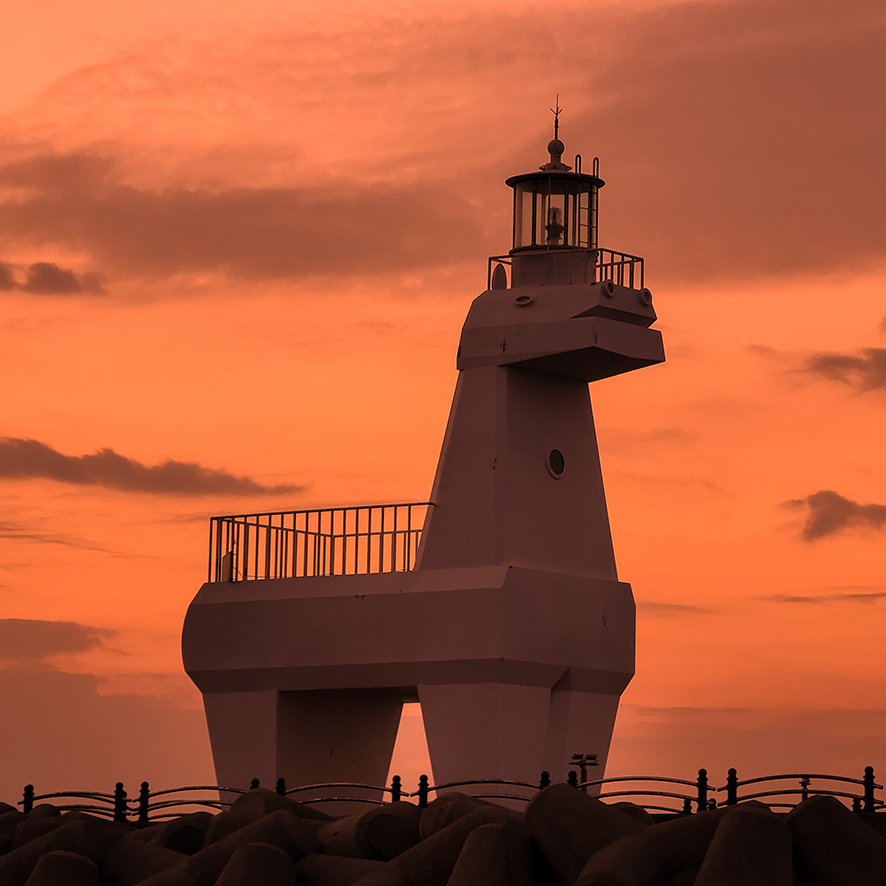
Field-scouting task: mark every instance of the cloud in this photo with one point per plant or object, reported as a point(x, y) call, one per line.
point(7, 281)
point(30, 639)
point(21, 533)
point(255, 233)
point(719, 119)
point(864, 370)
point(846, 597)
point(47, 278)
point(713, 121)
point(31, 459)
point(829, 513)
point(667, 610)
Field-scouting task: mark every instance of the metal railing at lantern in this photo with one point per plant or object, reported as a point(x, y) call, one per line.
point(619, 267)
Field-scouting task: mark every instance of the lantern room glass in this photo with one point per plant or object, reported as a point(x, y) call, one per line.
point(553, 212)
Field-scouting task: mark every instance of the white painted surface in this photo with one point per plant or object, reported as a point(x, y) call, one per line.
point(513, 631)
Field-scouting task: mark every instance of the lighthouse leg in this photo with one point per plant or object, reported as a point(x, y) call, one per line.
point(337, 735)
point(314, 737)
point(243, 734)
point(579, 723)
point(485, 730)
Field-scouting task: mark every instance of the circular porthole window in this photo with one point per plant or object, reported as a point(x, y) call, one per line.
point(556, 463)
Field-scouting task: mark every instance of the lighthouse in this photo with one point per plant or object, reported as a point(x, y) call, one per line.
point(496, 604)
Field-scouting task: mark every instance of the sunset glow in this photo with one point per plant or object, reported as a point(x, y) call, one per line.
point(237, 245)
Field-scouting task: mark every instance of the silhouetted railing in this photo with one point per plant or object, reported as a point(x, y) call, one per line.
point(357, 540)
point(146, 808)
point(866, 802)
point(619, 267)
point(699, 796)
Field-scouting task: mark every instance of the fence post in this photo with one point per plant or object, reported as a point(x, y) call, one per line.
point(869, 789)
point(422, 791)
point(731, 788)
point(281, 786)
point(545, 780)
point(687, 806)
point(121, 807)
point(702, 790)
point(28, 798)
point(396, 789)
point(144, 796)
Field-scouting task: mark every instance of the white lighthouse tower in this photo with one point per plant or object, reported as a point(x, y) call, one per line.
point(497, 605)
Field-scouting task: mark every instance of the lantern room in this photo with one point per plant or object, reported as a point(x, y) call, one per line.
point(555, 208)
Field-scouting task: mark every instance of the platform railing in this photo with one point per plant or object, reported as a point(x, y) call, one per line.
point(619, 267)
point(359, 540)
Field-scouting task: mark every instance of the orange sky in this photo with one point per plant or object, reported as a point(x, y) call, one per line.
point(244, 236)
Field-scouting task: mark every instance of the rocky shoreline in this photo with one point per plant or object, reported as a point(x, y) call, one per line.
point(562, 838)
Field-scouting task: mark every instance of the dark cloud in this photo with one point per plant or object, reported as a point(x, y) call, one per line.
point(47, 278)
point(30, 639)
point(846, 597)
point(666, 610)
point(16, 531)
point(244, 232)
point(28, 459)
point(7, 280)
point(721, 121)
point(829, 513)
point(737, 138)
point(864, 370)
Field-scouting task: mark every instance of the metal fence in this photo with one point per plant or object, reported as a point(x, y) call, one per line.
point(619, 267)
point(358, 540)
point(146, 807)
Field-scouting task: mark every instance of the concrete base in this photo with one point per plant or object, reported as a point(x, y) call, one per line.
point(509, 683)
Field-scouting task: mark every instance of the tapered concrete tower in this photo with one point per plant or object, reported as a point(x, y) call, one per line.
point(497, 605)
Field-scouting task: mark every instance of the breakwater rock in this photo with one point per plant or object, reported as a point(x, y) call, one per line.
point(562, 838)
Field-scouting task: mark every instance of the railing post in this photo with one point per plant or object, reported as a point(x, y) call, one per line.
point(545, 780)
point(868, 779)
point(702, 790)
point(281, 786)
point(731, 788)
point(856, 804)
point(422, 791)
point(121, 807)
point(396, 789)
point(572, 778)
point(687, 806)
point(253, 785)
point(28, 798)
point(144, 796)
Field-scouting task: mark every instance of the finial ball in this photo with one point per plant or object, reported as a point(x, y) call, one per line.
point(555, 146)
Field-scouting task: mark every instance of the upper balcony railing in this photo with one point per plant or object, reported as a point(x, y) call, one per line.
point(300, 544)
point(619, 267)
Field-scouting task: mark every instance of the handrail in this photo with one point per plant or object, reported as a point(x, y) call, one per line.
point(867, 802)
point(355, 540)
point(621, 268)
point(144, 808)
